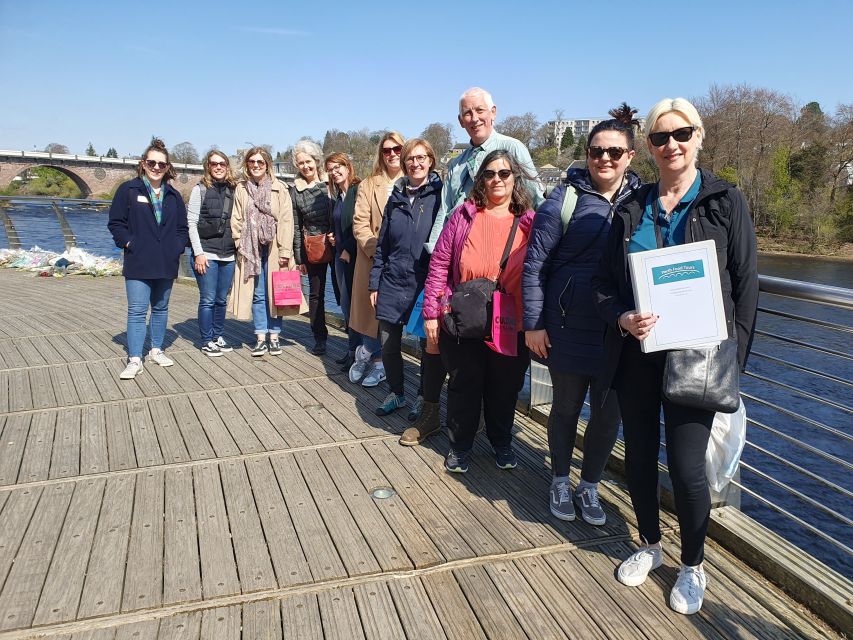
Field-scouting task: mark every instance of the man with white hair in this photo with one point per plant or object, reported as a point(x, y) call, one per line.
point(477, 116)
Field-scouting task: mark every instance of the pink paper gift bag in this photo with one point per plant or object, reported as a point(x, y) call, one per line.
point(504, 324)
point(286, 288)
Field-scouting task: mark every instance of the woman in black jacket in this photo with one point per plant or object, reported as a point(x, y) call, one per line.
point(690, 205)
point(148, 220)
point(312, 209)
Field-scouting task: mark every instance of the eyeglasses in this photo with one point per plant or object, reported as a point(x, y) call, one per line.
point(396, 150)
point(334, 167)
point(419, 159)
point(660, 138)
point(154, 164)
point(214, 165)
point(596, 153)
point(503, 174)
point(256, 163)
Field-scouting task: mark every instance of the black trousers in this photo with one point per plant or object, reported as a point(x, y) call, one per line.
point(600, 436)
point(479, 377)
point(317, 299)
point(638, 385)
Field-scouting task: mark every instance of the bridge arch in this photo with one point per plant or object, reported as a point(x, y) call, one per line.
point(79, 181)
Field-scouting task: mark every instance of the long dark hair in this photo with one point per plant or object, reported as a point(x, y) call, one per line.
point(520, 202)
point(157, 145)
point(622, 121)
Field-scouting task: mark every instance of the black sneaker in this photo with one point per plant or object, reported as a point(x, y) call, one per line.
point(259, 349)
point(224, 347)
point(319, 348)
point(211, 349)
point(275, 347)
point(457, 461)
point(505, 458)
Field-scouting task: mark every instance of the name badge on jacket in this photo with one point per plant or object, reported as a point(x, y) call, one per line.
point(141, 199)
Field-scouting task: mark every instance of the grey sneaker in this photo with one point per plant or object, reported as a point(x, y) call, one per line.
point(374, 376)
point(390, 404)
point(159, 357)
point(635, 568)
point(275, 346)
point(587, 503)
point(359, 365)
point(561, 501)
point(689, 591)
point(416, 410)
point(133, 369)
point(211, 349)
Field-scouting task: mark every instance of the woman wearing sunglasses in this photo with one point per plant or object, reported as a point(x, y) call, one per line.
point(312, 209)
point(373, 194)
point(262, 228)
point(686, 205)
point(399, 270)
point(148, 220)
point(471, 246)
point(563, 330)
point(209, 218)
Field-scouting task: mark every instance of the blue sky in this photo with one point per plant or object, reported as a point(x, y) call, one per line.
point(114, 73)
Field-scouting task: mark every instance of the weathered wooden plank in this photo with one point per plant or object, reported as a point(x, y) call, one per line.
point(313, 433)
point(342, 398)
point(64, 583)
point(20, 395)
point(340, 615)
point(102, 588)
point(87, 388)
point(256, 420)
point(20, 594)
point(191, 432)
point(457, 618)
point(361, 426)
point(63, 386)
point(81, 348)
point(218, 566)
point(105, 375)
point(30, 354)
point(168, 435)
point(336, 431)
point(285, 551)
point(280, 421)
point(300, 617)
point(65, 461)
point(262, 620)
point(11, 355)
point(217, 434)
point(378, 615)
point(94, 634)
point(143, 583)
point(145, 441)
point(181, 574)
point(43, 396)
point(94, 457)
point(4, 391)
point(223, 623)
point(56, 349)
point(319, 549)
point(523, 601)
point(415, 610)
point(219, 374)
point(247, 536)
point(36, 459)
point(351, 544)
point(119, 438)
point(385, 546)
point(185, 380)
point(184, 626)
point(491, 610)
point(237, 427)
point(146, 630)
point(14, 521)
point(12, 443)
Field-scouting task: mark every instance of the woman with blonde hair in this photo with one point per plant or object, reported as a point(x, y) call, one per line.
point(373, 194)
point(262, 228)
point(209, 219)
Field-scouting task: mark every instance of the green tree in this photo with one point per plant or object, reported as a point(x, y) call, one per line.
point(568, 139)
point(90, 150)
point(543, 156)
point(783, 197)
point(580, 148)
point(47, 181)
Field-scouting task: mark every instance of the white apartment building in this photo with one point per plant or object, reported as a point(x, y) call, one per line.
point(579, 127)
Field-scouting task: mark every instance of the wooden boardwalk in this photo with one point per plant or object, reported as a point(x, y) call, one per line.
point(230, 498)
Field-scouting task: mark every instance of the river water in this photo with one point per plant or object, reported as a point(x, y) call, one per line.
point(823, 428)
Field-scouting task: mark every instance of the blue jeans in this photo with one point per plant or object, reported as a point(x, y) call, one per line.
point(353, 337)
point(261, 319)
point(141, 294)
point(213, 288)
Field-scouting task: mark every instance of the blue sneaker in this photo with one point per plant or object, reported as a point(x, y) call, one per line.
point(457, 461)
point(390, 404)
point(505, 458)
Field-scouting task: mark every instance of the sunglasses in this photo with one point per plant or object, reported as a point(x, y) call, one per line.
point(396, 150)
point(503, 174)
point(213, 164)
point(256, 163)
point(660, 138)
point(596, 153)
point(154, 164)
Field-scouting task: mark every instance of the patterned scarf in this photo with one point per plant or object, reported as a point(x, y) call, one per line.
point(157, 202)
point(259, 229)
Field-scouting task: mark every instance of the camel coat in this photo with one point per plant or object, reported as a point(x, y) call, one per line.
point(240, 300)
point(366, 222)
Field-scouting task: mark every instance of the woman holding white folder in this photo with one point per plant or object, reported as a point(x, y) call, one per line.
point(690, 205)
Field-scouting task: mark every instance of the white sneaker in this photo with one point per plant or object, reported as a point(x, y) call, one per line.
point(636, 567)
point(359, 365)
point(689, 590)
point(375, 376)
point(133, 369)
point(158, 356)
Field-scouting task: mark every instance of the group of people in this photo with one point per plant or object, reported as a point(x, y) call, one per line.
point(407, 247)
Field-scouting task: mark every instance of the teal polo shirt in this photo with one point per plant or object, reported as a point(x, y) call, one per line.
point(672, 229)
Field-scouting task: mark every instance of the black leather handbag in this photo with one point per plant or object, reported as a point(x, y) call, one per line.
point(703, 378)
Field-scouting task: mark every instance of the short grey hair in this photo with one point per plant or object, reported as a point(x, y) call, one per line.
point(308, 146)
point(477, 91)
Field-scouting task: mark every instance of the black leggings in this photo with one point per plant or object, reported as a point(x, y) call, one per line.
point(638, 385)
point(432, 371)
point(601, 430)
point(317, 299)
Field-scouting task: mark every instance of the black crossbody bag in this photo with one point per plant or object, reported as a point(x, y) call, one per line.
point(470, 313)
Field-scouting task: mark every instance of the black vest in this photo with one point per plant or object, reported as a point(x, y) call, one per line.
point(214, 221)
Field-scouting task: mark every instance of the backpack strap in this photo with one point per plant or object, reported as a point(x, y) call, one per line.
point(570, 200)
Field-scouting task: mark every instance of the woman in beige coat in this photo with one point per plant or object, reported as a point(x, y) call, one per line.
point(369, 207)
point(262, 228)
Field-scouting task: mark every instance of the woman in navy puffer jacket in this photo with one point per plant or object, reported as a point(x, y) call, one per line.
point(563, 329)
